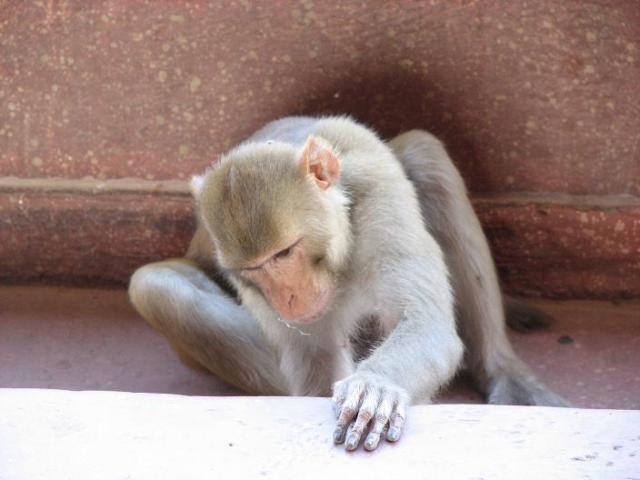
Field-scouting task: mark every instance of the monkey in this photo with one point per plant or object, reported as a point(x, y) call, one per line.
point(328, 262)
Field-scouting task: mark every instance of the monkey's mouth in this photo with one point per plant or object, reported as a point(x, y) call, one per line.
point(317, 310)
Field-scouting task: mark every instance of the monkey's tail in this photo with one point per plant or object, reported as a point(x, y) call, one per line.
point(511, 381)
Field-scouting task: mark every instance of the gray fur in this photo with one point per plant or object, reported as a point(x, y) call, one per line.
point(410, 227)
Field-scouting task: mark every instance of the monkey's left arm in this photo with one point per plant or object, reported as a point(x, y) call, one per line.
point(419, 356)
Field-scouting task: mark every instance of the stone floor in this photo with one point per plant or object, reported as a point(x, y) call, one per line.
point(163, 437)
point(86, 339)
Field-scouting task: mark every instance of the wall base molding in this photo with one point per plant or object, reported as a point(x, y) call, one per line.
point(92, 232)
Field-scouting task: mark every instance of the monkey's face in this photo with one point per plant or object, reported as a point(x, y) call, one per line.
point(294, 281)
point(283, 252)
point(279, 225)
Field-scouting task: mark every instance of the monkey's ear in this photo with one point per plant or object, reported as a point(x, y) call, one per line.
point(197, 181)
point(317, 159)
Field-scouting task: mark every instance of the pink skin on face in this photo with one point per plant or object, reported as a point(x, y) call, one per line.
point(291, 286)
point(316, 311)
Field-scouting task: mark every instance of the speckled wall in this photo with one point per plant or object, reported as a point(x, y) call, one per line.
point(537, 101)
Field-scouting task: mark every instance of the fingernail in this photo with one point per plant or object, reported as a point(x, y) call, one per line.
point(372, 441)
point(338, 435)
point(352, 442)
point(393, 434)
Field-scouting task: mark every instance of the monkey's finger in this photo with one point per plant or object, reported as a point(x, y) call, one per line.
point(397, 422)
point(339, 395)
point(336, 409)
point(339, 392)
point(365, 415)
point(348, 411)
point(381, 420)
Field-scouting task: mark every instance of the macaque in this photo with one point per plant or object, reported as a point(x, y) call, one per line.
point(328, 262)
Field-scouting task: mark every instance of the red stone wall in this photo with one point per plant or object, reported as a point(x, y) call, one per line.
point(538, 103)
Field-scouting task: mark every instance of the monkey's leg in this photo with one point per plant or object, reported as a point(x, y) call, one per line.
point(204, 324)
point(450, 218)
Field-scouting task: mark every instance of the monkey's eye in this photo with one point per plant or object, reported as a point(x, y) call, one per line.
point(284, 253)
point(287, 251)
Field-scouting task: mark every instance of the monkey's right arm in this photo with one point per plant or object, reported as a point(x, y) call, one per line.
point(420, 355)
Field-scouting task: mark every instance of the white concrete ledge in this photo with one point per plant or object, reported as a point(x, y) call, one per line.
point(54, 434)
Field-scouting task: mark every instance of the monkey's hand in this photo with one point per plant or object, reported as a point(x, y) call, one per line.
point(366, 401)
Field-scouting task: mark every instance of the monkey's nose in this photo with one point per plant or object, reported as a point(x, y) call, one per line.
point(292, 300)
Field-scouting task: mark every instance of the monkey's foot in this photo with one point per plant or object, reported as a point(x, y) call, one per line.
point(522, 389)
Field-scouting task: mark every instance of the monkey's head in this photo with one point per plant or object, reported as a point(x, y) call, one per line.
point(279, 223)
